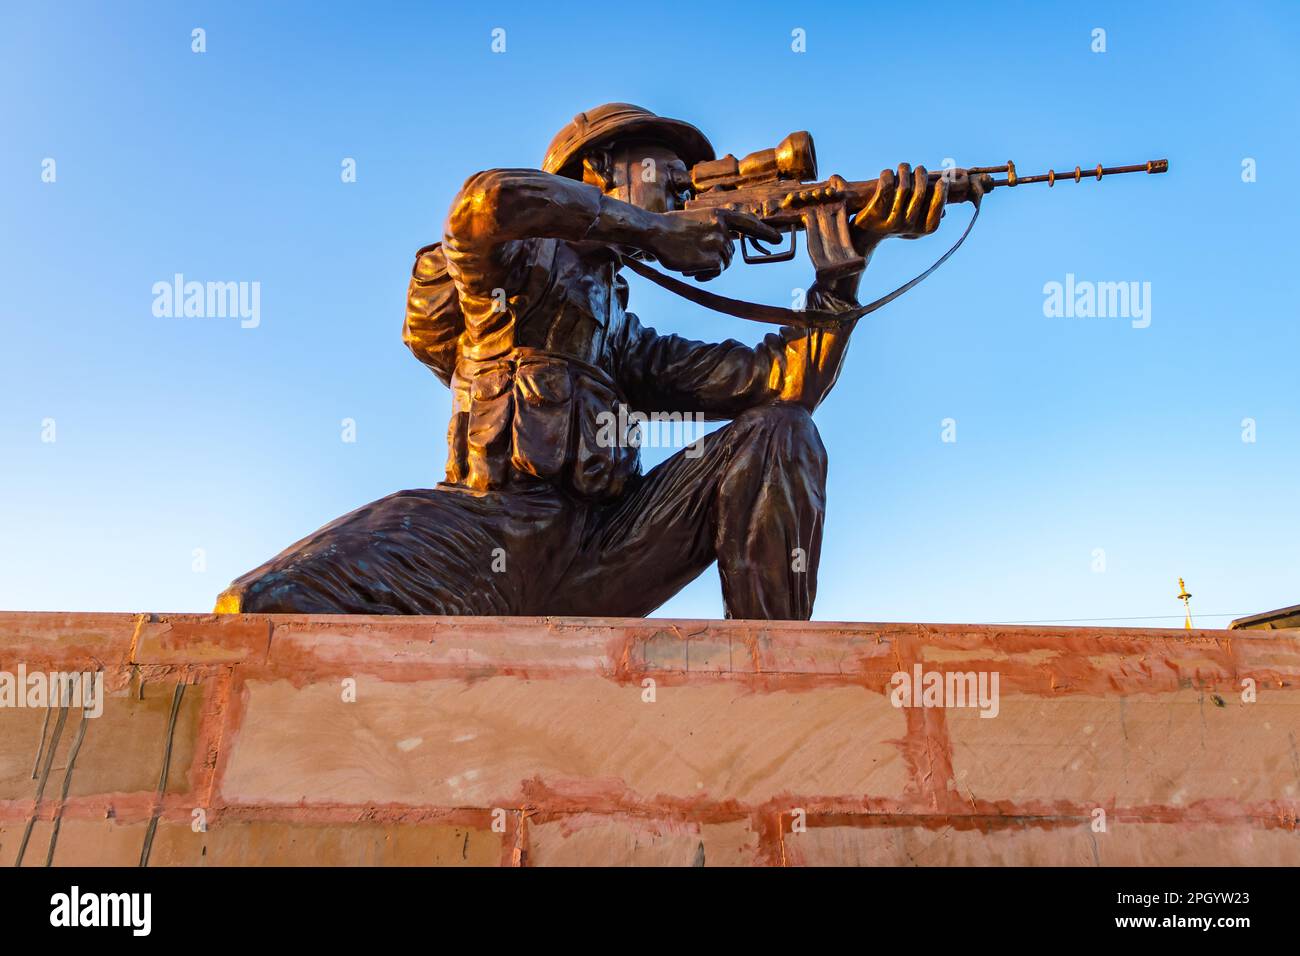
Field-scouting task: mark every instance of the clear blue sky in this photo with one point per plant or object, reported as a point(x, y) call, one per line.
point(1072, 434)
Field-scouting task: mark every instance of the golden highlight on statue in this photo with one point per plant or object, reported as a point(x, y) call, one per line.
point(521, 310)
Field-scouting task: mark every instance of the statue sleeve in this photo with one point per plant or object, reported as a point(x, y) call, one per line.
point(721, 380)
point(434, 320)
point(497, 217)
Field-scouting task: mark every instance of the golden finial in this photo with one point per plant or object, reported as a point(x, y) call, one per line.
point(1185, 597)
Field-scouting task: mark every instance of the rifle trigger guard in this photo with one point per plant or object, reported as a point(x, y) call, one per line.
point(784, 255)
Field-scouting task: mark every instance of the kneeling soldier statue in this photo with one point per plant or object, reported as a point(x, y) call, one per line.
point(521, 310)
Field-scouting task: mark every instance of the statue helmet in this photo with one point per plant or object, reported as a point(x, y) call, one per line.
point(622, 121)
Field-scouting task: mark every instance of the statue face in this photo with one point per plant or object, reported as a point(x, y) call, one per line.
point(643, 174)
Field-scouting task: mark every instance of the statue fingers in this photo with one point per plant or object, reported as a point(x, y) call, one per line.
point(883, 200)
point(916, 206)
point(938, 201)
point(902, 195)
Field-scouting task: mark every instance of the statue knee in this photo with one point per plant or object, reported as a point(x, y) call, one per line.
point(785, 430)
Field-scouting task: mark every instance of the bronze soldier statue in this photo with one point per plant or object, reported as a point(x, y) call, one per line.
point(522, 312)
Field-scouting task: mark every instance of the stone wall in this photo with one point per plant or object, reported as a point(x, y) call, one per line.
point(250, 739)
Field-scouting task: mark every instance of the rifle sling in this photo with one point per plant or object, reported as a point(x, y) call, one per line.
point(776, 315)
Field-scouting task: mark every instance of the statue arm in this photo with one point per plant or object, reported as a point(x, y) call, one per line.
point(721, 380)
point(498, 206)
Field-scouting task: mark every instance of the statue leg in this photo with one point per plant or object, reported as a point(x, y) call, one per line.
point(752, 497)
point(430, 551)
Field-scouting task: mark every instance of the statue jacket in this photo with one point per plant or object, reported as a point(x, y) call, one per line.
point(528, 324)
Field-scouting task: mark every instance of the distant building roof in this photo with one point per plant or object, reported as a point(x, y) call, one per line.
point(1282, 617)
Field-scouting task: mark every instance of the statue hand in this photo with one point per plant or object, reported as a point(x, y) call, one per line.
point(699, 244)
point(905, 204)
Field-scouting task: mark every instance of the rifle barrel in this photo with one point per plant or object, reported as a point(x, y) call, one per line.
point(1051, 176)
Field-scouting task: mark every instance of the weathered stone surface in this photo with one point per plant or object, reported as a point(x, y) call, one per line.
point(209, 639)
point(536, 741)
point(120, 751)
point(1135, 844)
point(20, 737)
point(40, 637)
point(479, 743)
point(600, 840)
point(356, 843)
point(1169, 749)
